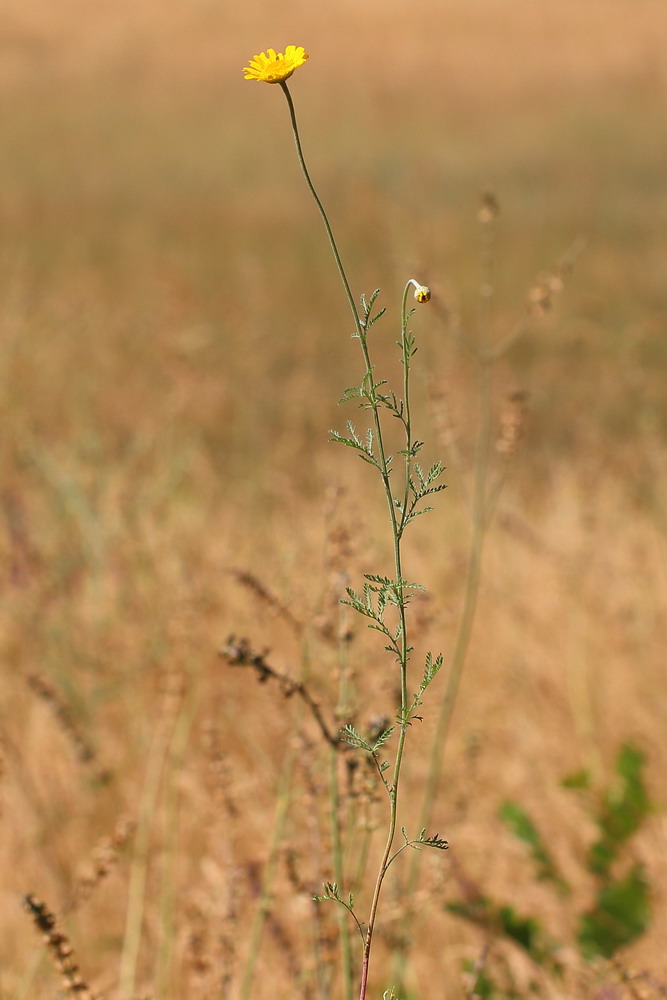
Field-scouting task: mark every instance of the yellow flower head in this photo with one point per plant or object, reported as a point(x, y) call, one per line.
point(274, 67)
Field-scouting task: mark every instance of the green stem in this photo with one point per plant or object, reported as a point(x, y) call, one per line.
point(361, 333)
point(320, 206)
point(480, 519)
point(406, 406)
point(396, 528)
point(403, 662)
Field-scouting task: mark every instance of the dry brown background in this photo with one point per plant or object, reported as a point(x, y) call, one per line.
point(174, 341)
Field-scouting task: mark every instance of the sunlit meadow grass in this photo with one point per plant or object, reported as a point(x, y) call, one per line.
point(161, 382)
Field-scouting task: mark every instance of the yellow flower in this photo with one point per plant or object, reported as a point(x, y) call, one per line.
point(274, 67)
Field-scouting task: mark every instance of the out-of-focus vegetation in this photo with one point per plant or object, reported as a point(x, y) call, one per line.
point(172, 337)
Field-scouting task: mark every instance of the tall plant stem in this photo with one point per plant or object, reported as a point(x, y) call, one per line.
point(396, 528)
point(320, 206)
point(480, 513)
point(407, 423)
point(361, 333)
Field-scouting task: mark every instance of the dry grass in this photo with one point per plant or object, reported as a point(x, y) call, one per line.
point(173, 340)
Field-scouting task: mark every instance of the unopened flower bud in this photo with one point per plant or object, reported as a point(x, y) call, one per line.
point(422, 293)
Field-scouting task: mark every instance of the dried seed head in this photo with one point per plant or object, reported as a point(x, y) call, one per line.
point(64, 714)
point(103, 860)
point(264, 594)
point(551, 283)
point(59, 947)
point(512, 421)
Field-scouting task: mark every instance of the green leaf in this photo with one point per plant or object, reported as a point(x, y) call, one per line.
point(368, 305)
point(384, 580)
point(407, 585)
point(526, 932)
point(330, 892)
point(353, 738)
point(436, 841)
point(382, 739)
point(601, 856)
point(363, 605)
point(417, 513)
point(367, 308)
point(483, 986)
point(436, 470)
point(623, 809)
point(621, 914)
point(577, 779)
point(433, 489)
point(354, 441)
point(353, 392)
point(374, 319)
point(522, 826)
point(431, 669)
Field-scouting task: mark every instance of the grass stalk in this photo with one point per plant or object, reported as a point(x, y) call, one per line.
point(339, 871)
point(139, 864)
point(175, 759)
point(336, 824)
point(266, 894)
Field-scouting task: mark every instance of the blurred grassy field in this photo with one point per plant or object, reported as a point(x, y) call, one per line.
point(174, 342)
